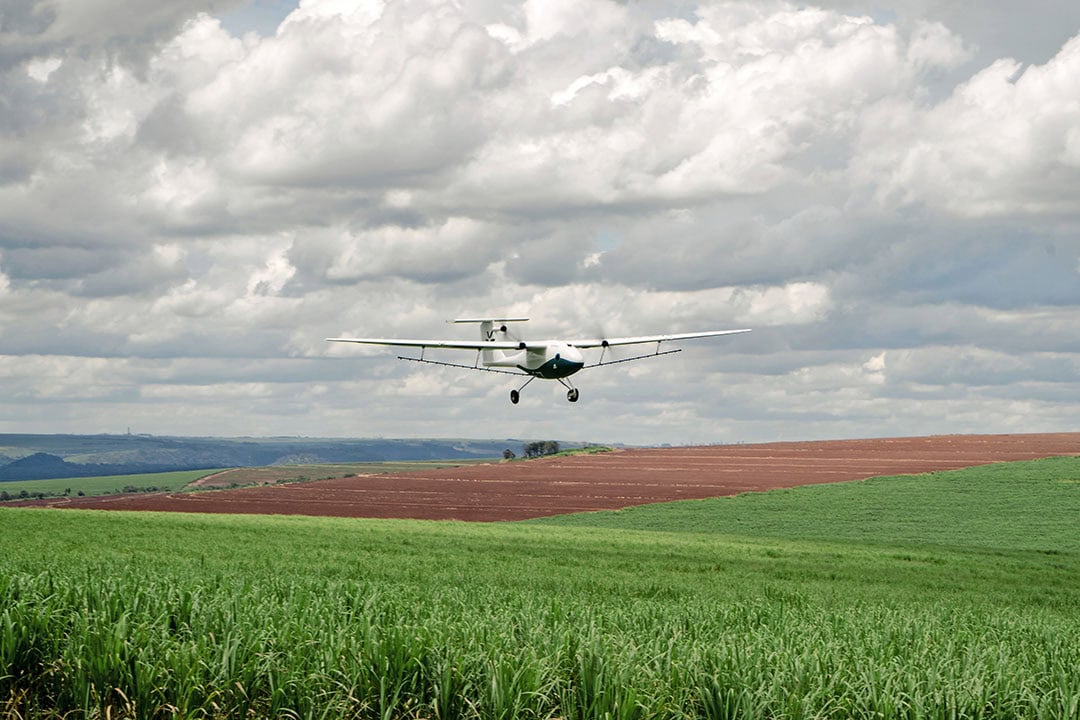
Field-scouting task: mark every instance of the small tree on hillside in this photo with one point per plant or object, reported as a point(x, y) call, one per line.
point(541, 448)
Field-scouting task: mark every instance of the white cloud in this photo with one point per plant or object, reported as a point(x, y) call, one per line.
point(620, 84)
point(363, 13)
point(874, 368)
point(791, 304)
point(457, 247)
point(933, 46)
point(1003, 143)
point(41, 69)
point(272, 277)
point(346, 97)
point(235, 392)
point(552, 19)
point(185, 210)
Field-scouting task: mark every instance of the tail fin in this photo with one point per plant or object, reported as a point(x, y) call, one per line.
point(490, 328)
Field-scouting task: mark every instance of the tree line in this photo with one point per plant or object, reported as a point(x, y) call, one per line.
point(534, 449)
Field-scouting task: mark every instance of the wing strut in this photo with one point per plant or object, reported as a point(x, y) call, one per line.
point(658, 353)
point(458, 365)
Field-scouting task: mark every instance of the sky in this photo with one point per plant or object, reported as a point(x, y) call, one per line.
point(193, 196)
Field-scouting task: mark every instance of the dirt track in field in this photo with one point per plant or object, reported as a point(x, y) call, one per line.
point(603, 481)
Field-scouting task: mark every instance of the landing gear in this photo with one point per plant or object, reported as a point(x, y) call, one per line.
point(572, 393)
point(515, 395)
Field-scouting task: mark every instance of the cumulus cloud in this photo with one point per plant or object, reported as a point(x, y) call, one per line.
point(1003, 143)
point(188, 208)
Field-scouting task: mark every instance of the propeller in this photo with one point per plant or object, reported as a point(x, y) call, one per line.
point(607, 353)
point(507, 333)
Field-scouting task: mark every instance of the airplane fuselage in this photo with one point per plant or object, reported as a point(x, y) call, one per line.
point(550, 362)
point(557, 361)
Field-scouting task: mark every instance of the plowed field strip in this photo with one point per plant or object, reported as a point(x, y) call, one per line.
point(519, 490)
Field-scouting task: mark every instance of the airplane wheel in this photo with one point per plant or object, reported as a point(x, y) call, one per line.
point(573, 395)
point(515, 396)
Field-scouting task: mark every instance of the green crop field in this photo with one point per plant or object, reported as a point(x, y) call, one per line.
point(816, 603)
point(103, 484)
point(1016, 506)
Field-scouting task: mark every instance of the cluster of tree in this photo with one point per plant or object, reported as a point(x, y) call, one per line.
point(21, 495)
point(38, 495)
point(540, 448)
point(41, 495)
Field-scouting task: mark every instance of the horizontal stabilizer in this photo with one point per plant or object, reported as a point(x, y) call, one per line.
point(488, 319)
point(449, 344)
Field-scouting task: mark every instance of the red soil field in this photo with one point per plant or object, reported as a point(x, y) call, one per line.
point(602, 481)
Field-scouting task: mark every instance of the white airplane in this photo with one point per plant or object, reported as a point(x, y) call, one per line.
point(547, 359)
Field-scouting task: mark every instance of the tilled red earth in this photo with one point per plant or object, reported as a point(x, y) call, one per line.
point(603, 481)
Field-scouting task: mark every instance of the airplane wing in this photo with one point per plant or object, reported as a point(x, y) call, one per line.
point(610, 342)
point(523, 344)
point(449, 344)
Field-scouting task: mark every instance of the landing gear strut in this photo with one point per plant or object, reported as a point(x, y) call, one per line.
point(572, 393)
point(515, 395)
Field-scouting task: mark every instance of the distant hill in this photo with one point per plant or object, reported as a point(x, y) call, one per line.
point(38, 466)
point(39, 457)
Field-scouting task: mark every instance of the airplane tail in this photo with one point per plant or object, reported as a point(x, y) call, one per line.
point(493, 330)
